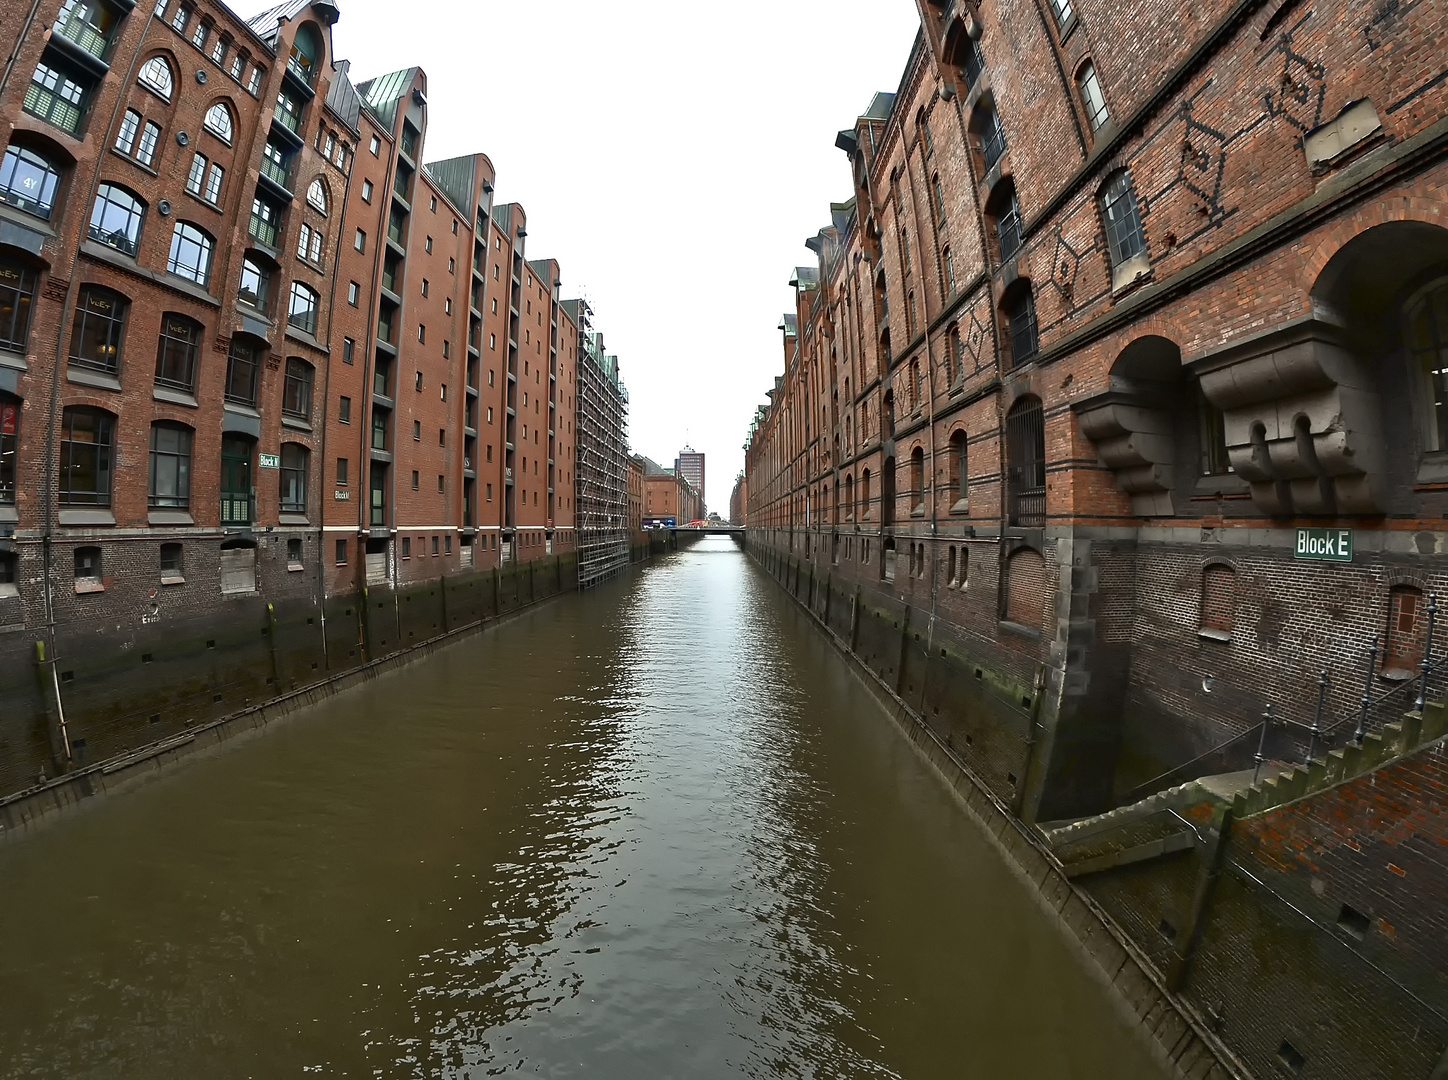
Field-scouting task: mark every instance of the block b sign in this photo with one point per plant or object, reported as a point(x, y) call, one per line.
point(1324, 545)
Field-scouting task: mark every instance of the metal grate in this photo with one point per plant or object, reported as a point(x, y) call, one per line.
point(1026, 463)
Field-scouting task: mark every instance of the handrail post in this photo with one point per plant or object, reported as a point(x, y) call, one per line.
point(1427, 664)
point(1322, 681)
point(1367, 693)
point(1262, 745)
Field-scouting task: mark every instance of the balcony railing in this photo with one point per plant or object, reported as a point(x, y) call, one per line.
point(992, 143)
point(290, 121)
point(276, 173)
point(262, 231)
point(1009, 231)
point(83, 34)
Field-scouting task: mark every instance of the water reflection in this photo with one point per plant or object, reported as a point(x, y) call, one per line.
point(652, 831)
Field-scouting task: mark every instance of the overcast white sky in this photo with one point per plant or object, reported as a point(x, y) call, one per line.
point(672, 157)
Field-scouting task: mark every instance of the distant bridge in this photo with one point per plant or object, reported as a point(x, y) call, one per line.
point(711, 530)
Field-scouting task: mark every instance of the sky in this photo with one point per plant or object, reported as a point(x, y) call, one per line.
point(672, 157)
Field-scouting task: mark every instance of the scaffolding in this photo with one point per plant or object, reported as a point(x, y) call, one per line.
point(602, 474)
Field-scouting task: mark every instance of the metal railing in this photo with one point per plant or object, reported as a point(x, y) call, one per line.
point(277, 173)
point(1280, 738)
point(84, 35)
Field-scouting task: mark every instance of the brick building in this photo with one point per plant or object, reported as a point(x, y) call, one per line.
point(739, 501)
point(603, 479)
point(258, 356)
point(1123, 298)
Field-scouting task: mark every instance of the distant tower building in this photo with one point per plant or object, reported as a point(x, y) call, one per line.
point(690, 465)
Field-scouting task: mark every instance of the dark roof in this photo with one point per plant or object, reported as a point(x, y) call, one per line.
point(342, 98)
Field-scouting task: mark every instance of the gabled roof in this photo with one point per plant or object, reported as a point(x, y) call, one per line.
point(805, 277)
point(790, 325)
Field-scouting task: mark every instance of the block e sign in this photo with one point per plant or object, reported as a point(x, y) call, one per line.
point(1324, 545)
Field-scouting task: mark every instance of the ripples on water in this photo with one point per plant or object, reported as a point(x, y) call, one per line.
point(656, 831)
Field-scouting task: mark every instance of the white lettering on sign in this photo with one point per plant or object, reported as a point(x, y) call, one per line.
point(342, 496)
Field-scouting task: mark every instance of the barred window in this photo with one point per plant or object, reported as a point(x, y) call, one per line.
point(1020, 311)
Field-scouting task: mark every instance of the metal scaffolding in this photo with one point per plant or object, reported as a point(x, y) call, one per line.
point(602, 474)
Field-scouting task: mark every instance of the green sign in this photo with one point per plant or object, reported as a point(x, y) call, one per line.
point(1324, 545)
point(269, 461)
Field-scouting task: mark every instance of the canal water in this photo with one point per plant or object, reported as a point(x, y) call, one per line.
point(656, 831)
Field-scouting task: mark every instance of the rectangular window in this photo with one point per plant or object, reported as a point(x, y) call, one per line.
point(179, 350)
point(341, 552)
point(170, 467)
point(86, 452)
point(297, 389)
point(199, 37)
point(130, 126)
point(294, 479)
point(214, 179)
point(341, 472)
point(344, 410)
point(414, 479)
point(150, 139)
point(241, 370)
point(353, 293)
point(17, 291)
point(348, 347)
point(367, 191)
point(197, 179)
point(407, 547)
point(359, 242)
point(254, 85)
point(9, 446)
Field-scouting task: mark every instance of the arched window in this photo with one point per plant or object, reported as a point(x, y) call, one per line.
point(28, 181)
point(865, 495)
point(990, 137)
point(294, 478)
point(959, 472)
point(255, 288)
point(87, 452)
point(116, 218)
point(849, 498)
point(156, 75)
point(297, 393)
point(17, 295)
point(306, 51)
point(170, 487)
point(947, 262)
point(1003, 211)
point(178, 352)
point(1406, 623)
point(917, 481)
point(100, 327)
point(1425, 334)
point(9, 447)
point(1026, 463)
point(243, 361)
point(1019, 308)
point(1089, 86)
point(191, 250)
point(1124, 237)
point(302, 311)
point(219, 123)
point(317, 196)
point(937, 193)
point(1219, 600)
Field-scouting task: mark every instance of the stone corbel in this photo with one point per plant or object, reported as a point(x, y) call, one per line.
point(1133, 436)
point(1301, 420)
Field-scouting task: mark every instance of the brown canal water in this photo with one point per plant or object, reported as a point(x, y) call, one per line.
point(655, 831)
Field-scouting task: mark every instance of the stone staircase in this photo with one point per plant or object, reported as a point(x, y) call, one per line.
point(1177, 818)
point(1171, 820)
point(1285, 785)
